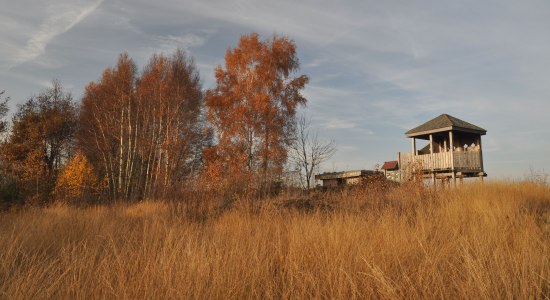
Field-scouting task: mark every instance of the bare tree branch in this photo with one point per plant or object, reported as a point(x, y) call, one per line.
point(308, 152)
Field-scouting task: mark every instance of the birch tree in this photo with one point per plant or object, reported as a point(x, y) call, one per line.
point(144, 133)
point(109, 124)
point(173, 134)
point(253, 107)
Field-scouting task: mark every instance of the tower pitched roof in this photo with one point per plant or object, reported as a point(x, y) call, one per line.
point(445, 122)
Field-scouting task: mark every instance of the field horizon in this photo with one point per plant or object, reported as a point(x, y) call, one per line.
point(478, 241)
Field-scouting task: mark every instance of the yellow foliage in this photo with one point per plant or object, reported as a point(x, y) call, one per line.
point(77, 181)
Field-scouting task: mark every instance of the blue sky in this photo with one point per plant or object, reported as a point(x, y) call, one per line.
point(376, 68)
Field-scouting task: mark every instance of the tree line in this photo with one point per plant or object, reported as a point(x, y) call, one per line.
point(152, 133)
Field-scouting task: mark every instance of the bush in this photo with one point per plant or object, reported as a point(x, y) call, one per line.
point(78, 182)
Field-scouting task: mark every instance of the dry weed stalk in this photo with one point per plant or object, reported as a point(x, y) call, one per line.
point(373, 241)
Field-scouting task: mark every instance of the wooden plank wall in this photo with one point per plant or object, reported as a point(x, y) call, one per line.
point(443, 160)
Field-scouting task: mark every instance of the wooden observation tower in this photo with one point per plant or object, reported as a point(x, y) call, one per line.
point(454, 150)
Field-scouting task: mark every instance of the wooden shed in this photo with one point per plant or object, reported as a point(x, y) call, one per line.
point(454, 149)
point(334, 179)
point(391, 170)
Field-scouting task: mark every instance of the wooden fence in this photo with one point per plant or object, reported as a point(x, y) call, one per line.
point(470, 160)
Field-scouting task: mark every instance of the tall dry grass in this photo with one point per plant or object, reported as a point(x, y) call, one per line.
point(406, 242)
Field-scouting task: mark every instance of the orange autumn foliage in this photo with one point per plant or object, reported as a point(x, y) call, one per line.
point(39, 142)
point(78, 180)
point(253, 108)
point(144, 132)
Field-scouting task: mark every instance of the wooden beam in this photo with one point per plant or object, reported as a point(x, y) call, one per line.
point(399, 166)
point(445, 129)
point(413, 146)
point(451, 141)
point(431, 144)
point(480, 153)
point(454, 179)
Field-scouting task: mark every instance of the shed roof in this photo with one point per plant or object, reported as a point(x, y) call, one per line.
point(390, 165)
point(445, 122)
point(344, 174)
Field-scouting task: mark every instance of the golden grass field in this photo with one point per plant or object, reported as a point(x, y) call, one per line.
point(477, 242)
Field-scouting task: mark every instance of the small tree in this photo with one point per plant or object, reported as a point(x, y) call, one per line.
point(77, 181)
point(253, 107)
point(308, 152)
point(40, 141)
point(3, 112)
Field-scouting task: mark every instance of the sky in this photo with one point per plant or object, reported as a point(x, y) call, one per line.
point(376, 68)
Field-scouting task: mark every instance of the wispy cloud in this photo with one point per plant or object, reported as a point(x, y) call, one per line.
point(340, 124)
point(54, 25)
point(169, 42)
point(377, 68)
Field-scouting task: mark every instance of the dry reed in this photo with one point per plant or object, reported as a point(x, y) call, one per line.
point(488, 242)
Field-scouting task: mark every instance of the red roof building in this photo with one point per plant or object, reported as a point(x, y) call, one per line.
point(390, 165)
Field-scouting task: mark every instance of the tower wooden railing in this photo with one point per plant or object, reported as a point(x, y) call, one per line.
point(468, 160)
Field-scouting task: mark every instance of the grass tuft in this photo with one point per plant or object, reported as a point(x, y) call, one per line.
point(490, 241)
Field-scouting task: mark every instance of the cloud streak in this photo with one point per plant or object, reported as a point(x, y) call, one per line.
point(377, 68)
point(56, 24)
